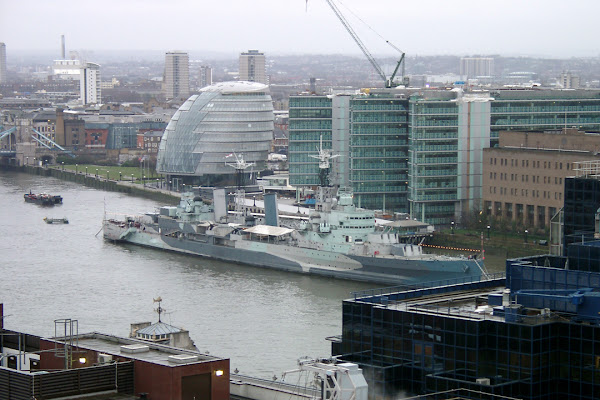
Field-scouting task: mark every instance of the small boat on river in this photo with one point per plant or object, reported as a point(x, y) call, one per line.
point(42, 199)
point(56, 220)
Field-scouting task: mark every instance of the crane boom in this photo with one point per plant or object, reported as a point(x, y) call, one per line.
point(357, 39)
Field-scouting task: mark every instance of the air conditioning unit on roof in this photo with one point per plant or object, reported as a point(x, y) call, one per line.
point(483, 381)
point(104, 358)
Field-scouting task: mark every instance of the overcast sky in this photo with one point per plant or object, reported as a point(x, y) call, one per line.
point(544, 28)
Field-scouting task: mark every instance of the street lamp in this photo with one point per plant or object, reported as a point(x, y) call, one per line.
point(108, 175)
point(488, 230)
point(254, 198)
point(131, 178)
point(452, 227)
point(526, 232)
point(120, 175)
point(27, 160)
point(86, 171)
point(144, 180)
point(63, 165)
point(96, 173)
point(76, 170)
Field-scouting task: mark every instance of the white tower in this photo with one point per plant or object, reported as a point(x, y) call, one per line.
point(177, 75)
point(89, 84)
point(252, 67)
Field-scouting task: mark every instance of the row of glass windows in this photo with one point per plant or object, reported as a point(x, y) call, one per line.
point(373, 164)
point(554, 121)
point(378, 141)
point(436, 110)
point(369, 106)
point(304, 113)
point(362, 129)
point(436, 172)
point(378, 117)
point(546, 194)
point(437, 148)
point(525, 163)
point(310, 124)
point(416, 133)
point(368, 152)
point(312, 101)
point(377, 176)
point(434, 196)
point(543, 108)
point(436, 160)
point(380, 188)
point(525, 178)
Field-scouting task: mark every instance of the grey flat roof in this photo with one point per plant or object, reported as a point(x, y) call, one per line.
point(157, 353)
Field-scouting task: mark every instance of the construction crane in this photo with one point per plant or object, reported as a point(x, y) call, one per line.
point(389, 82)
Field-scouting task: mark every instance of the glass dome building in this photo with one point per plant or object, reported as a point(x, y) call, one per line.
point(224, 119)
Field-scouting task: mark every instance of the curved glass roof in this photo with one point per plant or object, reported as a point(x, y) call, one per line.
point(225, 118)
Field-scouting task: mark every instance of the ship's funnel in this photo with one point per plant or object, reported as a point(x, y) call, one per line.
point(219, 204)
point(271, 212)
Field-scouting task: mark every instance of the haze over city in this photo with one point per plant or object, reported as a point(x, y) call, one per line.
point(533, 28)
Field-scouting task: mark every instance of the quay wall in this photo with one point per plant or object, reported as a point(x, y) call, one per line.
point(134, 189)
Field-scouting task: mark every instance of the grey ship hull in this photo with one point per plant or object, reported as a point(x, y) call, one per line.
point(381, 270)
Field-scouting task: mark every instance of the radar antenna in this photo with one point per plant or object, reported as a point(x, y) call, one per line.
point(159, 309)
point(240, 166)
point(324, 156)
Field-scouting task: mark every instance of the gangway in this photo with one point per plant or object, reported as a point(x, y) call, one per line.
point(54, 144)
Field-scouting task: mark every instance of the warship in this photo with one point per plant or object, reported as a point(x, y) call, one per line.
point(337, 240)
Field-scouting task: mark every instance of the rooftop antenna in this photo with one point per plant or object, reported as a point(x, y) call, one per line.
point(159, 309)
point(324, 156)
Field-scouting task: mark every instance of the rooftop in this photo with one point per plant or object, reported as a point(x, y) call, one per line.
point(234, 87)
point(141, 350)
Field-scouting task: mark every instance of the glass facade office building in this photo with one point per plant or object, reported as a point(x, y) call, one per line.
point(224, 119)
point(527, 344)
point(420, 150)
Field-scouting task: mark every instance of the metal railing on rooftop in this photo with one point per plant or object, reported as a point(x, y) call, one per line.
point(380, 295)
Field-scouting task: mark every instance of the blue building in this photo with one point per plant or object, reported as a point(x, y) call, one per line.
point(531, 334)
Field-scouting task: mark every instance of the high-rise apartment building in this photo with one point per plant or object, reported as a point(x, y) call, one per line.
point(569, 81)
point(2, 63)
point(177, 75)
point(473, 67)
point(89, 84)
point(205, 78)
point(421, 151)
point(252, 67)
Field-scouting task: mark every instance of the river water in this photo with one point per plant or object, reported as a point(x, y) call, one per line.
point(263, 320)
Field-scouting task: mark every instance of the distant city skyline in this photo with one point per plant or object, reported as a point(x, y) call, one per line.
point(537, 28)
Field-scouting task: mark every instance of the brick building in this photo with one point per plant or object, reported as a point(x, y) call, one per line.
point(149, 141)
point(523, 178)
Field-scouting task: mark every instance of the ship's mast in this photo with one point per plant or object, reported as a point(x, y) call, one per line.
point(240, 166)
point(324, 156)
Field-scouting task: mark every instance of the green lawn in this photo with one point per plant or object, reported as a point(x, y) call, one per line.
point(112, 172)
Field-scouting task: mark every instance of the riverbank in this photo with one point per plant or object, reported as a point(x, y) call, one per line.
point(498, 246)
point(134, 188)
